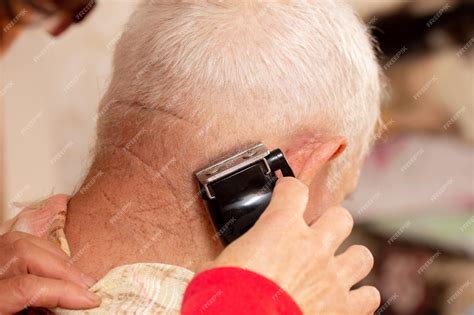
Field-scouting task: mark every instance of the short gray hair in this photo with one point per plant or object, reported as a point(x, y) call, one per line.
point(288, 65)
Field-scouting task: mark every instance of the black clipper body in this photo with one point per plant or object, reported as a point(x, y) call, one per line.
point(239, 188)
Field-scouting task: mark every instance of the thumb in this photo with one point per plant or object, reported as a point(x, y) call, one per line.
point(290, 198)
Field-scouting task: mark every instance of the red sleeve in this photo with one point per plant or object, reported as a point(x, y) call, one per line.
point(235, 291)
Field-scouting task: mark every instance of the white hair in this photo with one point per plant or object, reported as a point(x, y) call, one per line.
point(274, 66)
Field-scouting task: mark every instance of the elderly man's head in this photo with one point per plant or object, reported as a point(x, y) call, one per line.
point(197, 79)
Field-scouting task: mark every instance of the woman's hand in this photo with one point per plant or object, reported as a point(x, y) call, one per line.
point(36, 273)
point(301, 259)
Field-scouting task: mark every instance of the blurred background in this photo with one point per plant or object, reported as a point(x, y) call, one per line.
point(415, 202)
point(414, 207)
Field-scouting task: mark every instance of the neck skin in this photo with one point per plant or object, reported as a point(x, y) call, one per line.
point(130, 210)
point(140, 203)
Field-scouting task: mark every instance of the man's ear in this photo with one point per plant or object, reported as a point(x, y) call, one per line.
point(307, 157)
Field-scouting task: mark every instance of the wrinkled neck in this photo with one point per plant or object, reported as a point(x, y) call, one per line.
point(129, 210)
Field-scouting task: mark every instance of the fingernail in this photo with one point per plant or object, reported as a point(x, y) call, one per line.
point(93, 298)
point(88, 280)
